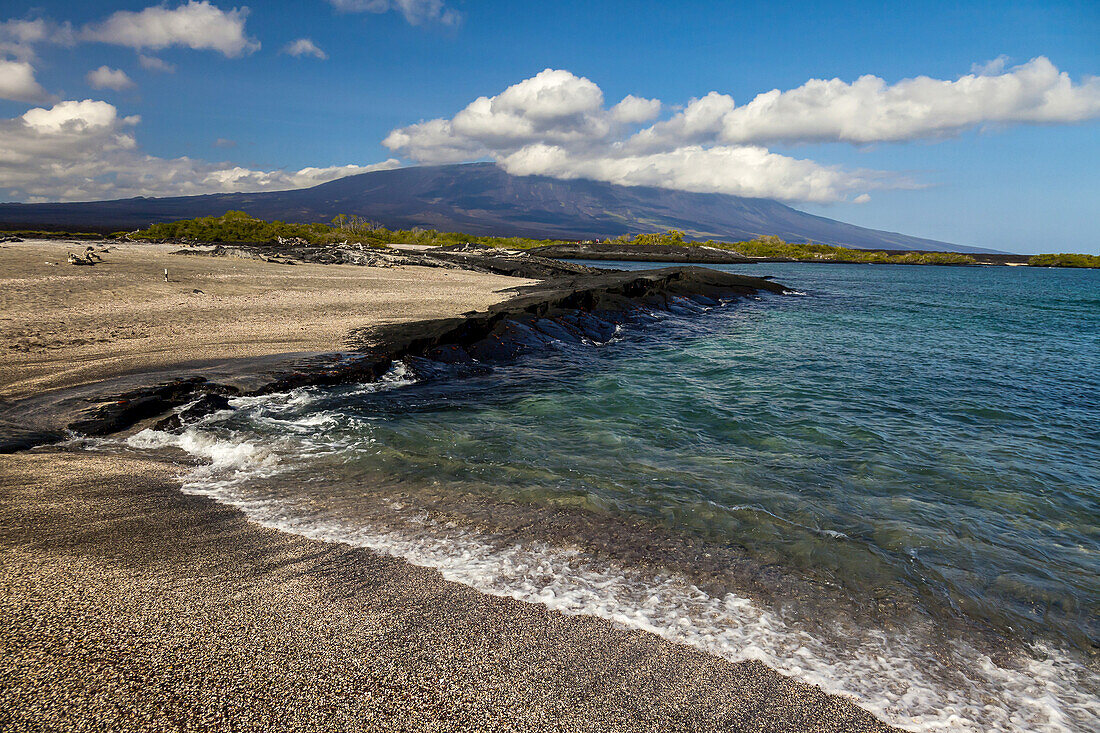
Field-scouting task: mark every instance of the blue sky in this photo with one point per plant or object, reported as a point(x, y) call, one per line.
point(238, 112)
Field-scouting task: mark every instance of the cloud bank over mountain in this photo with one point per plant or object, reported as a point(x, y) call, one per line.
point(556, 123)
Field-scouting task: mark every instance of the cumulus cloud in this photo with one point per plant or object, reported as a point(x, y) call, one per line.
point(554, 107)
point(416, 12)
point(636, 109)
point(696, 123)
point(869, 110)
point(197, 25)
point(152, 63)
point(76, 117)
point(17, 82)
point(991, 67)
point(750, 171)
point(304, 47)
point(107, 78)
point(555, 123)
point(84, 150)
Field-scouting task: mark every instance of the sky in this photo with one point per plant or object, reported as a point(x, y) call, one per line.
point(970, 122)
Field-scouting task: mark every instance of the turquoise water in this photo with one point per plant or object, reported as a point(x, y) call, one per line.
point(889, 485)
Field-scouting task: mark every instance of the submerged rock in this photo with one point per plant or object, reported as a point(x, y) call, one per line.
point(132, 407)
point(202, 407)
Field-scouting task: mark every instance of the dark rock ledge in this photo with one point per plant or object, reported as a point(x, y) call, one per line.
point(585, 307)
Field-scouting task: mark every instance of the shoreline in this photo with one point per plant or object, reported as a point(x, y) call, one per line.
point(182, 599)
point(702, 254)
point(120, 587)
point(74, 334)
point(583, 305)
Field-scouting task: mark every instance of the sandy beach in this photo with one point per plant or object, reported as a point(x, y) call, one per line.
point(126, 604)
point(63, 325)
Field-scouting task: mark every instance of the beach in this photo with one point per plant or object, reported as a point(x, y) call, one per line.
point(130, 605)
point(64, 325)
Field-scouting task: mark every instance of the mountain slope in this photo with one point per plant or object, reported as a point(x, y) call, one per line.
point(480, 198)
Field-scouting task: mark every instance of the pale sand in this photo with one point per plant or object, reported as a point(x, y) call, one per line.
point(63, 325)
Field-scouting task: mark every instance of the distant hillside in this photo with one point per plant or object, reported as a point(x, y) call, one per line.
point(480, 198)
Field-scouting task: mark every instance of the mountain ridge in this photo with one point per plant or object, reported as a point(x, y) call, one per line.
point(482, 199)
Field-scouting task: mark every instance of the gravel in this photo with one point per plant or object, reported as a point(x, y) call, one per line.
point(128, 605)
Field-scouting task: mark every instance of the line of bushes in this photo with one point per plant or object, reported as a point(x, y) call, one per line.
point(237, 226)
point(773, 246)
point(1064, 259)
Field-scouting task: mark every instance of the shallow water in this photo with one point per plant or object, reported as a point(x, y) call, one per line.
point(889, 486)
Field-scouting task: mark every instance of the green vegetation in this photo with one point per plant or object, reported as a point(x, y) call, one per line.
point(445, 239)
point(1064, 260)
point(237, 226)
point(775, 247)
point(233, 226)
point(42, 234)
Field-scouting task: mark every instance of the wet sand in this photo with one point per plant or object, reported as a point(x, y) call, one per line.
point(128, 605)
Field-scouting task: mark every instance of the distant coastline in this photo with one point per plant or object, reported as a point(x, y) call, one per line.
point(672, 246)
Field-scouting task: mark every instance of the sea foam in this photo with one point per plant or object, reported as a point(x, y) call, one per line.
point(1046, 692)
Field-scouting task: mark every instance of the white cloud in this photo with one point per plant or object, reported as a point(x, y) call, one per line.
point(636, 109)
point(304, 47)
point(869, 110)
point(83, 150)
point(555, 124)
point(991, 67)
point(416, 12)
point(738, 170)
point(107, 78)
point(698, 122)
point(17, 82)
point(76, 117)
point(196, 25)
point(152, 63)
point(18, 37)
point(554, 106)
point(245, 179)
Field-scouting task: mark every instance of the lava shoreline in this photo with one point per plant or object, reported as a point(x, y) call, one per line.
point(588, 305)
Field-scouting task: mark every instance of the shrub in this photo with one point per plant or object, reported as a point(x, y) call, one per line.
point(1064, 259)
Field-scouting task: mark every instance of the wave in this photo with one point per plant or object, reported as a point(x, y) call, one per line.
point(886, 673)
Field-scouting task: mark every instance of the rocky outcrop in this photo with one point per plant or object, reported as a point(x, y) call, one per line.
point(641, 253)
point(512, 263)
point(209, 403)
point(587, 307)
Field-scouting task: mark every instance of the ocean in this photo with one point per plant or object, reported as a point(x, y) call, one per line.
point(887, 484)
